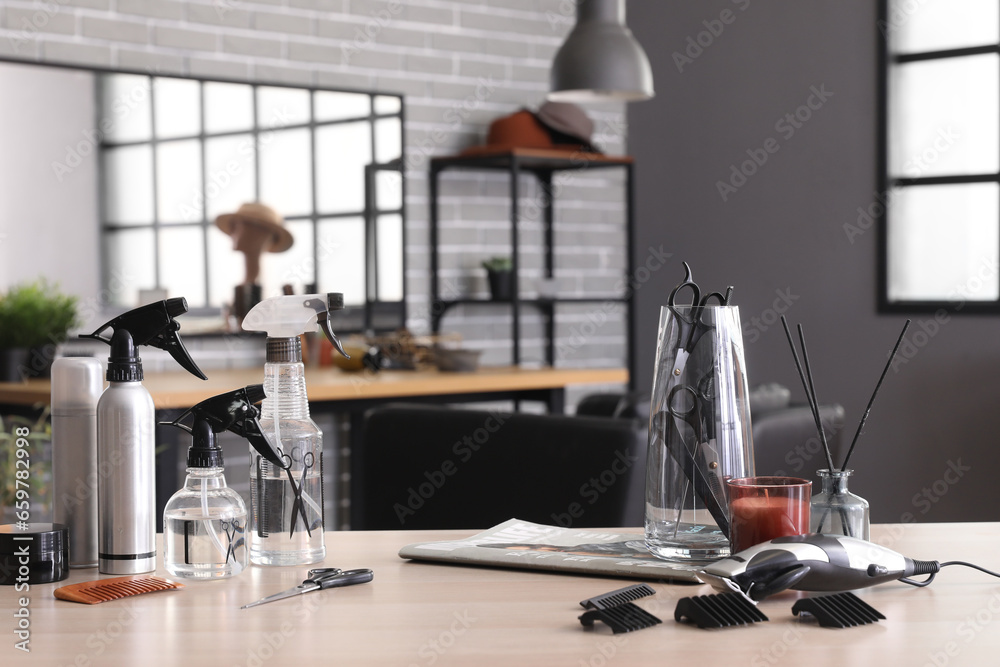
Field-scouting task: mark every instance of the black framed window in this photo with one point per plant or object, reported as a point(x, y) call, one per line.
point(938, 203)
point(176, 152)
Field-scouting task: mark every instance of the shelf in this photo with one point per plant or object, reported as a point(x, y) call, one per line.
point(531, 159)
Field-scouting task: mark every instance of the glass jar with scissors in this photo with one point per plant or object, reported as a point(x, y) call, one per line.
point(699, 429)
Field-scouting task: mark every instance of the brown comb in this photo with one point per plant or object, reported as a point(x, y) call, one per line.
point(103, 590)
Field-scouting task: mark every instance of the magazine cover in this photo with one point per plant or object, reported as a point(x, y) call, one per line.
point(531, 546)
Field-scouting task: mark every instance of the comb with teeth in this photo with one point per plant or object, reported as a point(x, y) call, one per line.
point(105, 590)
point(617, 597)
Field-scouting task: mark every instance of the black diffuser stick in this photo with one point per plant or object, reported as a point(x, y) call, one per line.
point(864, 417)
point(802, 377)
point(815, 401)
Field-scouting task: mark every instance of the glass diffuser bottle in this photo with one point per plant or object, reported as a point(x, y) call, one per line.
point(837, 511)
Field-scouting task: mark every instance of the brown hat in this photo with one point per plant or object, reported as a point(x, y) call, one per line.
point(261, 215)
point(525, 129)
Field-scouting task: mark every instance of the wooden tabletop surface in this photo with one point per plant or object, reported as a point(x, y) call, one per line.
point(429, 614)
point(182, 390)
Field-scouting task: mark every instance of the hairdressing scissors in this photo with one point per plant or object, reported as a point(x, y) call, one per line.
point(699, 460)
point(689, 316)
point(319, 579)
point(298, 507)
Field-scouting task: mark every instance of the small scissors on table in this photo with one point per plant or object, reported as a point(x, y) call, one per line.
point(319, 579)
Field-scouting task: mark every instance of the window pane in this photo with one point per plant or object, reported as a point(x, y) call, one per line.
point(128, 185)
point(338, 106)
point(229, 163)
point(943, 117)
point(226, 268)
point(293, 267)
point(933, 25)
point(182, 264)
point(388, 140)
point(342, 151)
point(341, 253)
point(129, 267)
point(388, 190)
point(387, 104)
point(285, 171)
point(279, 107)
point(943, 243)
point(126, 109)
point(178, 180)
point(389, 240)
point(228, 107)
point(178, 108)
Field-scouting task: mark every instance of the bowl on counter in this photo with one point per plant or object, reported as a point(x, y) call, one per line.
point(456, 360)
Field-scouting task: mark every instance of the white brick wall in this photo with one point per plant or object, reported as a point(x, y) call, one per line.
point(439, 54)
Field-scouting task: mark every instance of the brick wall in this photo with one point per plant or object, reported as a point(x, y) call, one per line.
point(459, 63)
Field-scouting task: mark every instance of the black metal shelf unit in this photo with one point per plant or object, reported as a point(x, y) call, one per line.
point(542, 165)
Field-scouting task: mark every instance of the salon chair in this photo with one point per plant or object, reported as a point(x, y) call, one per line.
point(431, 467)
point(784, 434)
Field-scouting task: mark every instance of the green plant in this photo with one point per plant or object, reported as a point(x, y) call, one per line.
point(498, 264)
point(39, 436)
point(36, 314)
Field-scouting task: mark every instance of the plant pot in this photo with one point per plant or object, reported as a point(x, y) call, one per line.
point(14, 364)
point(501, 285)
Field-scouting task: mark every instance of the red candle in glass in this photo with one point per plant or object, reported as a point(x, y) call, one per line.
point(762, 508)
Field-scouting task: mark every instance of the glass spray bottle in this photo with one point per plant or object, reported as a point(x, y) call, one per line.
point(204, 524)
point(286, 518)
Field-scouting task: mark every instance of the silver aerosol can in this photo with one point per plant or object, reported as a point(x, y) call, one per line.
point(76, 388)
point(126, 489)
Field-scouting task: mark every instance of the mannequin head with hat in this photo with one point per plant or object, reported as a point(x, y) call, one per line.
point(255, 229)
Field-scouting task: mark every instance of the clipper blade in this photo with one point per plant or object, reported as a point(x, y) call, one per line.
point(722, 610)
point(840, 610)
point(623, 618)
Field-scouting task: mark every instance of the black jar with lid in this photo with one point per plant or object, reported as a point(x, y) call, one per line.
point(36, 554)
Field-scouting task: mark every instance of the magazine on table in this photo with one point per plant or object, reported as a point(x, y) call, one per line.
point(531, 546)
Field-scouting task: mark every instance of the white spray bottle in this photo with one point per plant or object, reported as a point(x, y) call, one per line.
point(286, 514)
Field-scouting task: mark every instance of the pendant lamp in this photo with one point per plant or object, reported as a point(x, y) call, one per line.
point(600, 59)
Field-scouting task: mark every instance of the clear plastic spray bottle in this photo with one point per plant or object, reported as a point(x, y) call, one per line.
point(286, 498)
point(205, 523)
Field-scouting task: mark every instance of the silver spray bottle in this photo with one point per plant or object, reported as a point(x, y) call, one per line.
point(76, 389)
point(126, 489)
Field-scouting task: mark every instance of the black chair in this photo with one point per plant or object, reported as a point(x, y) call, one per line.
point(429, 467)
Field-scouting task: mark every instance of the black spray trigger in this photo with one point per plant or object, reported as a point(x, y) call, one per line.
point(334, 301)
point(234, 411)
point(154, 325)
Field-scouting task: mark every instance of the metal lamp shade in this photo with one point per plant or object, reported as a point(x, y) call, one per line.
point(600, 59)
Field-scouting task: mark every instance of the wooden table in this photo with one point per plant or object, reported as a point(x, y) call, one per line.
point(332, 390)
point(180, 390)
point(426, 614)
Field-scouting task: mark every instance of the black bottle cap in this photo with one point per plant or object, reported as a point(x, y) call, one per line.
point(124, 364)
point(204, 451)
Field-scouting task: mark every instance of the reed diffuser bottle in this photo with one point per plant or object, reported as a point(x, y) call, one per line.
point(837, 511)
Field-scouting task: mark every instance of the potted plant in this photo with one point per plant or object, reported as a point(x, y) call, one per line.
point(40, 481)
point(500, 273)
point(34, 318)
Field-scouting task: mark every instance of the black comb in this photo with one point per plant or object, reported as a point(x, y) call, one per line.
point(840, 610)
point(722, 610)
point(623, 618)
point(617, 597)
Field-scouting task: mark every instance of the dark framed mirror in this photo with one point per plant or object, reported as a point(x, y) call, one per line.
point(151, 160)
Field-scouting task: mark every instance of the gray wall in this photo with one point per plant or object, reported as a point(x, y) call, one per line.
point(929, 449)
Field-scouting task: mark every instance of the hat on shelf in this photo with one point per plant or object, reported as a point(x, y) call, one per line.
point(557, 126)
point(260, 215)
